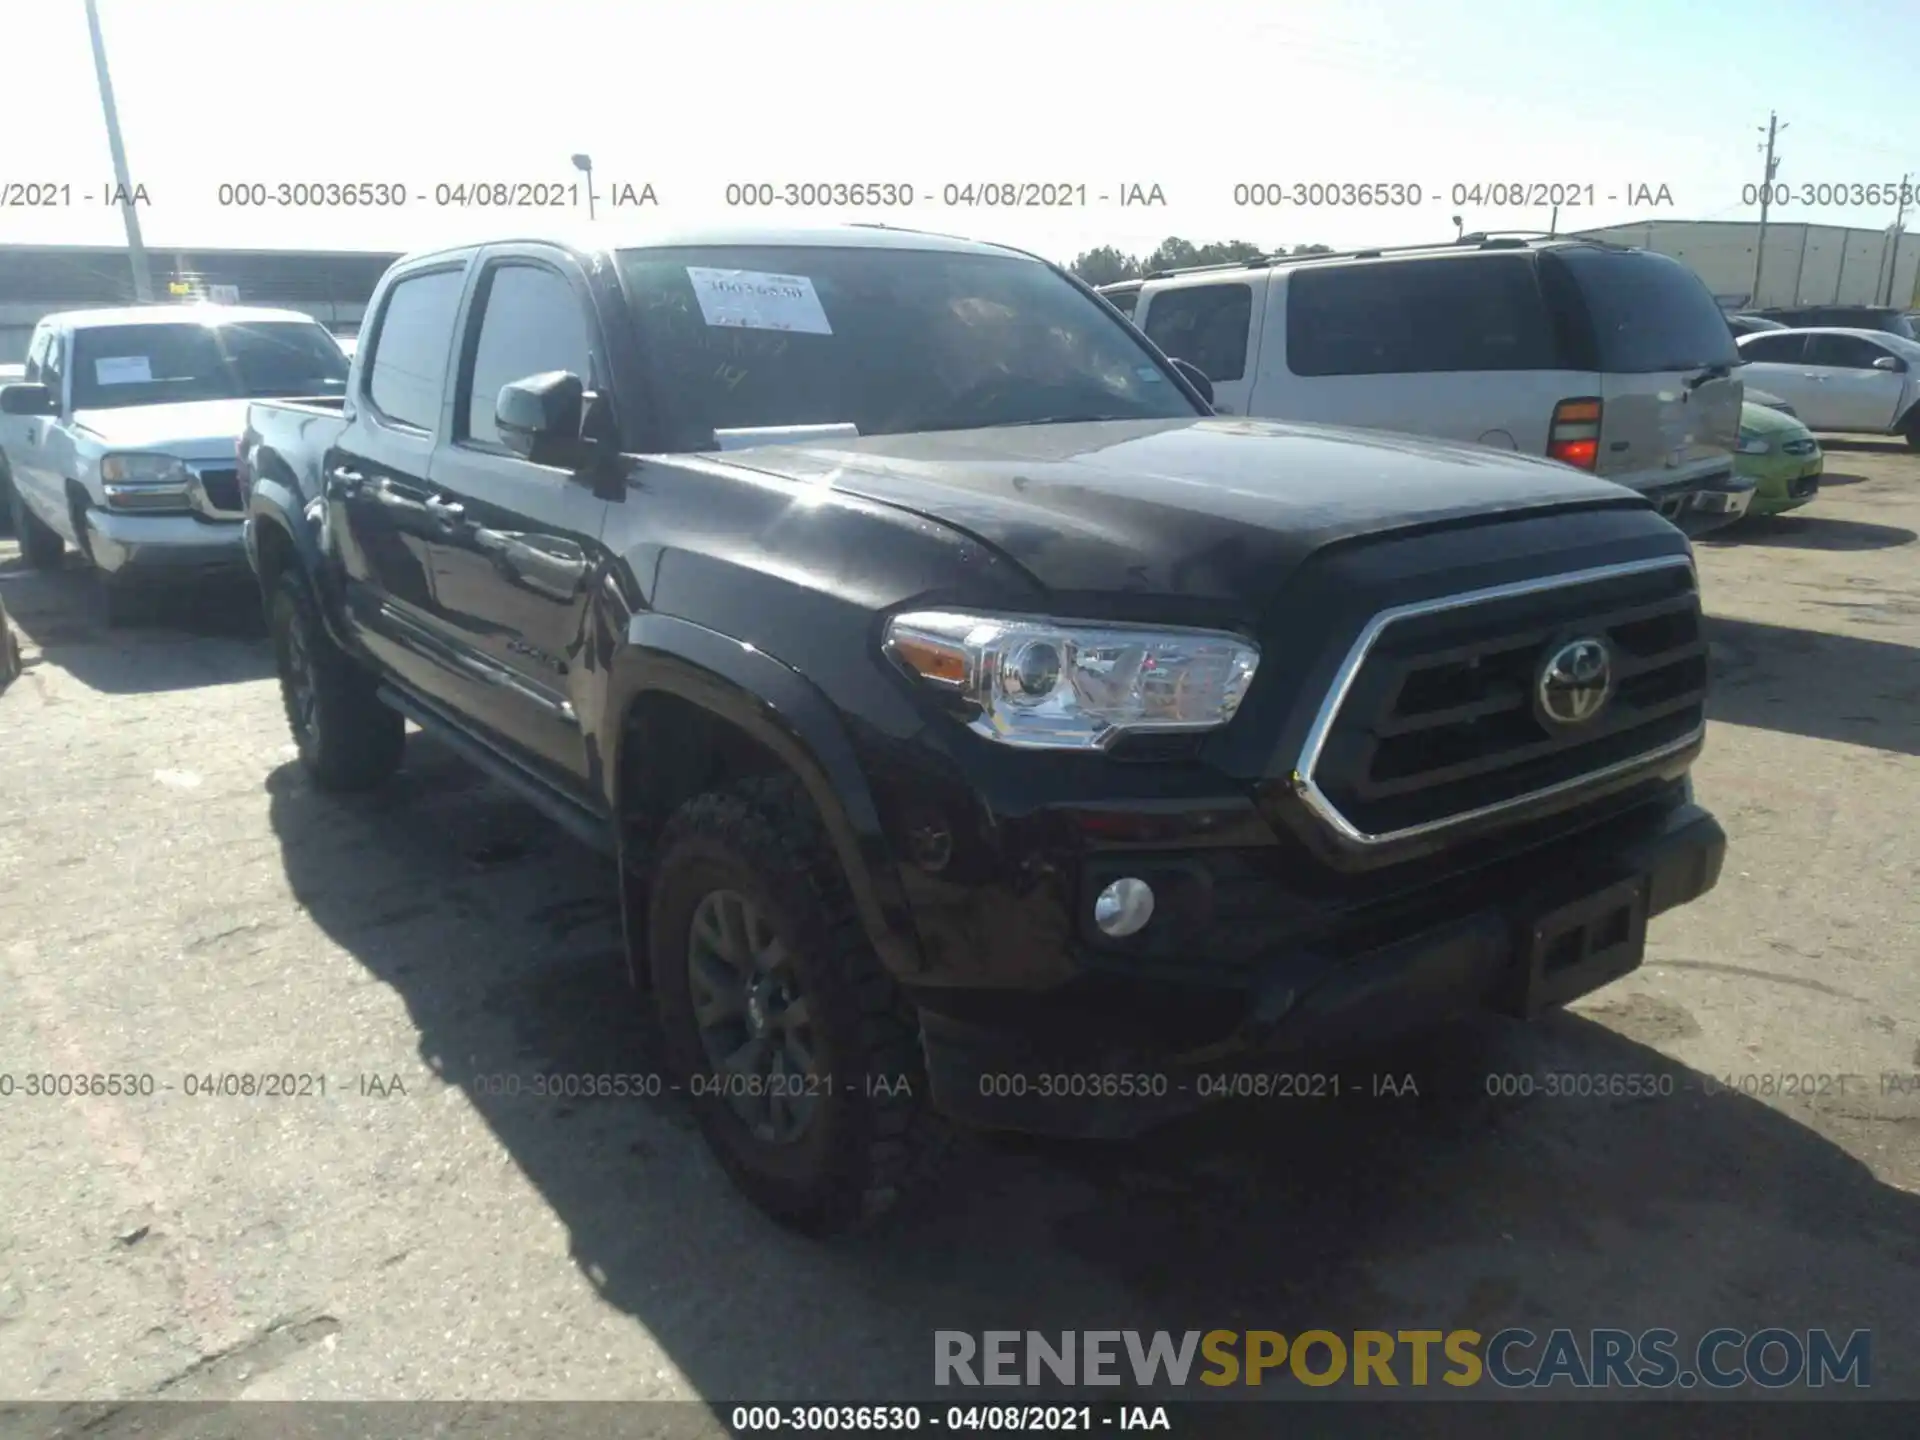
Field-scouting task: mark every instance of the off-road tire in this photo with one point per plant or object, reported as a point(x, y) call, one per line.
point(40, 544)
point(348, 740)
point(873, 1137)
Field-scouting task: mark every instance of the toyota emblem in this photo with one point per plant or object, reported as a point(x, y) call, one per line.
point(1575, 683)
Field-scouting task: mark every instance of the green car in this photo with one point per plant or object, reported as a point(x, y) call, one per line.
point(1780, 455)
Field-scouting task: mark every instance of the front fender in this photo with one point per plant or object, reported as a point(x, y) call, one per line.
point(787, 714)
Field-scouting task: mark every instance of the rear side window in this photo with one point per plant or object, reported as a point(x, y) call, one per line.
point(410, 347)
point(1399, 317)
point(1782, 349)
point(1649, 312)
point(1125, 303)
point(1204, 325)
point(1846, 352)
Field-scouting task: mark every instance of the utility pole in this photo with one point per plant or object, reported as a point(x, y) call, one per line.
point(142, 282)
point(1774, 127)
point(1899, 223)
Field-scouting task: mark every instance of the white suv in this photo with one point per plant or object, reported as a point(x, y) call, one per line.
point(1611, 359)
point(1865, 381)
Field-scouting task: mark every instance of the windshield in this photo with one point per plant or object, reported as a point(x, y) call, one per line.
point(178, 361)
point(886, 341)
point(1650, 313)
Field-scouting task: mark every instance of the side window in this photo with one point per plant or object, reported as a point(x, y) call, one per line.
point(532, 322)
point(53, 364)
point(1845, 352)
point(1125, 302)
point(1204, 325)
point(36, 348)
point(410, 347)
point(1399, 317)
point(1779, 349)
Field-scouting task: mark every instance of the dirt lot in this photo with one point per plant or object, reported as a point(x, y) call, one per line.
point(174, 901)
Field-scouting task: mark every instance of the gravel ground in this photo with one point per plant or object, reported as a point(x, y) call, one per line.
point(175, 901)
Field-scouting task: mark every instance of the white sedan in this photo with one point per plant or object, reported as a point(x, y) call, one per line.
point(1851, 381)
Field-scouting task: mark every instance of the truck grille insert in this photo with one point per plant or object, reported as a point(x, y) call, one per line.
point(222, 489)
point(1441, 718)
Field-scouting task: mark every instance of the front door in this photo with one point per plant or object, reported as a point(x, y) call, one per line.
point(1855, 395)
point(516, 551)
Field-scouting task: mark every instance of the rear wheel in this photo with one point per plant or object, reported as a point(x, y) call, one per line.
point(800, 1056)
point(40, 544)
point(348, 740)
point(1912, 431)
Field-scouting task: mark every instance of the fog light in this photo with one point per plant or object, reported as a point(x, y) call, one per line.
point(1124, 907)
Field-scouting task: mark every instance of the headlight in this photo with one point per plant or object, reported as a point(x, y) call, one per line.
point(146, 482)
point(1753, 444)
point(1052, 685)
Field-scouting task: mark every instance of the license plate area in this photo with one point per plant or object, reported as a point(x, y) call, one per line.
point(1568, 950)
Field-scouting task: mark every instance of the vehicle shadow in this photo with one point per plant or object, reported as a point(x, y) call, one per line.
point(1836, 479)
point(1798, 531)
point(1824, 686)
point(61, 613)
point(1435, 1202)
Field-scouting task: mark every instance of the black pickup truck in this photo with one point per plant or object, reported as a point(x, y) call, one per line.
point(982, 730)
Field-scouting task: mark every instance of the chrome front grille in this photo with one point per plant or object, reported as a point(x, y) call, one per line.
point(1434, 718)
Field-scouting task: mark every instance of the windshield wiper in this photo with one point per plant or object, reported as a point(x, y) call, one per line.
point(1712, 372)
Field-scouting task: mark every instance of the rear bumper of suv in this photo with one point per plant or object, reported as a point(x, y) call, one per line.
point(1102, 1057)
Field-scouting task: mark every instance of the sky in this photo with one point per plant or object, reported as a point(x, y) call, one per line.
point(1608, 101)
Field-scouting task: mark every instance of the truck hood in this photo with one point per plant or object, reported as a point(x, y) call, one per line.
point(193, 430)
point(1221, 509)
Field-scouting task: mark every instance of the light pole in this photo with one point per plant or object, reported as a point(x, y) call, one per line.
point(136, 252)
point(584, 164)
point(1459, 227)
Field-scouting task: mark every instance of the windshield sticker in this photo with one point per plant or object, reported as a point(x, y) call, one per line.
point(123, 370)
point(755, 300)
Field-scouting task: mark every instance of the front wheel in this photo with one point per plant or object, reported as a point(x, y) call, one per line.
point(40, 544)
point(801, 1059)
point(347, 739)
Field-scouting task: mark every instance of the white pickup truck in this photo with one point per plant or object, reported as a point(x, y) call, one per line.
point(119, 439)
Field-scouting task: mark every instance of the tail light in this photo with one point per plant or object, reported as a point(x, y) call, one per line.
point(1573, 436)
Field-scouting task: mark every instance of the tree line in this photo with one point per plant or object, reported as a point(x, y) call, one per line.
point(1106, 264)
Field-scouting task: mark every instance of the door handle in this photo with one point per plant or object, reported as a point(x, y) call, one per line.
point(346, 482)
point(447, 512)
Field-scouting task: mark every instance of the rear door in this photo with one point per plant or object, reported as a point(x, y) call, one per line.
point(1461, 346)
point(376, 476)
point(1210, 326)
point(1670, 378)
point(1854, 394)
point(515, 553)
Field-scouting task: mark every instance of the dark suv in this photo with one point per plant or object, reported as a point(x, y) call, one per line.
point(1844, 317)
point(981, 730)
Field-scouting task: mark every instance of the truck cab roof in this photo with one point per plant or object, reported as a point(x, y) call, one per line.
point(167, 314)
point(659, 235)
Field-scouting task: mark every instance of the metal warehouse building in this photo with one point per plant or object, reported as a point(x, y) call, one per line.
point(35, 280)
point(1803, 264)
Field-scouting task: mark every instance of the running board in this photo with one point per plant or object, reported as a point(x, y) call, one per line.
point(578, 821)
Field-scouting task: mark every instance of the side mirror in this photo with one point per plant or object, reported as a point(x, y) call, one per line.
point(1890, 362)
point(27, 399)
point(1195, 377)
point(539, 418)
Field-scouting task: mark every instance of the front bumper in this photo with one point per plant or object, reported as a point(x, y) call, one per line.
point(1785, 482)
point(1529, 935)
point(130, 544)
